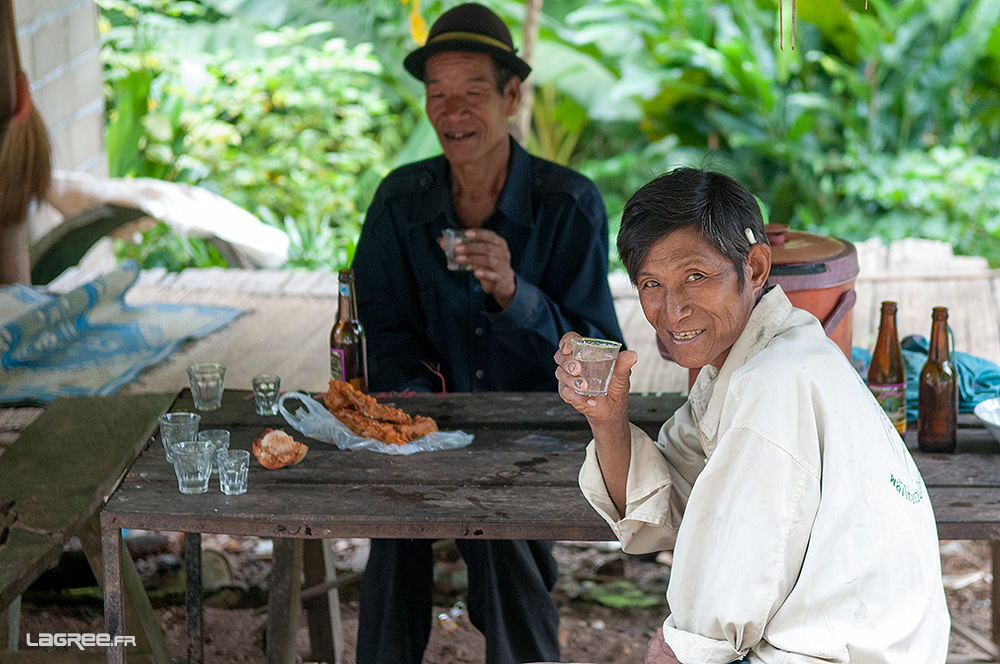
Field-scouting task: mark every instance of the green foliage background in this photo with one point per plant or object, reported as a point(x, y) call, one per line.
point(881, 121)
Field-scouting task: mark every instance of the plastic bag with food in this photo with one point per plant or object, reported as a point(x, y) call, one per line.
point(314, 420)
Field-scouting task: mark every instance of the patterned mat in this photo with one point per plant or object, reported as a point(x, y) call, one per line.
point(88, 341)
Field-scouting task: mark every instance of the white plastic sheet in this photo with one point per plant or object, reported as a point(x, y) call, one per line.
point(314, 420)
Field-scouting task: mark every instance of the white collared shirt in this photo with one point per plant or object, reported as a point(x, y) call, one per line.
point(801, 528)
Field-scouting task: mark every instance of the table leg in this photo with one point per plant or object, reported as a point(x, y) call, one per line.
point(284, 600)
point(114, 602)
point(192, 596)
point(326, 635)
point(139, 614)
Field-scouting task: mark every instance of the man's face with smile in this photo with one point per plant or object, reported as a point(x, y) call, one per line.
point(690, 295)
point(467, 111)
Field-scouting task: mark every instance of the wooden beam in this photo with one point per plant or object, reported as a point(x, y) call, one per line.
point(114, 602)
point(192, 595)
point(995, 591)
point(284, 600)
point(973, 636)
point(138, 610)
point(326, 634)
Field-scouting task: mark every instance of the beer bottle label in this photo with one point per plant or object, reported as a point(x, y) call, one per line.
point(892, 399)
point(337, 369)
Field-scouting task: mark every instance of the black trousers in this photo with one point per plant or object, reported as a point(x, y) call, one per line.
point(509, 601)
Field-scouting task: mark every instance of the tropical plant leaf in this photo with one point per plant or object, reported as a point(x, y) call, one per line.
point(125, 127)
point(582, 77)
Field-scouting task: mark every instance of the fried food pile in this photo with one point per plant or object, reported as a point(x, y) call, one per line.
point(368, 418)
point(276, 449)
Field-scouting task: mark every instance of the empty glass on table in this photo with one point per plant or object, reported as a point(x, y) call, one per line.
point(175, 427)
point(193, 464)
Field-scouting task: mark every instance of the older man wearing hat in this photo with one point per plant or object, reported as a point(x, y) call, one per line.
point(535, 264)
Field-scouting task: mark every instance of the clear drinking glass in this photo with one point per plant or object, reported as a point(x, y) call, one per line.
point(219, 438)
point(207, 379)
point(451, 238)
point(597, 360)
point(265, 393)
point(175, 427)
point(193, 465)
point(233, 468)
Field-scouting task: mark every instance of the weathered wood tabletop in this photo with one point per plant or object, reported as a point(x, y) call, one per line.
point(964, 487)
point(479, 490)
point(509, 483)
point(518, 479)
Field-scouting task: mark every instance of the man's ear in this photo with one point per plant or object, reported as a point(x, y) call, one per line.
point(759, 262)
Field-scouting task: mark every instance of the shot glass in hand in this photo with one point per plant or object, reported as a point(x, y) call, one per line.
point(206, 379)
point(233, 468)
point(597, 361)
point(265, 393)
point(193, 465)
point(175, 427)
point(450, 239)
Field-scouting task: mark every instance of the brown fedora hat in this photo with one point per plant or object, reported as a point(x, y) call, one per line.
point(469, 27)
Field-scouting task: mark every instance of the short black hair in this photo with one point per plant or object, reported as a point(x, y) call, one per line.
point(718, 206)
point(502, 73)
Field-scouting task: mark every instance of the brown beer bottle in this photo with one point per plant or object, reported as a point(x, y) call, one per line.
point(348, 350)
point(937, 421)
point(887, 373)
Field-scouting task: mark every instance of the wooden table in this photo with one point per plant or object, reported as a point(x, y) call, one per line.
point(508, 484)
point(505, 485)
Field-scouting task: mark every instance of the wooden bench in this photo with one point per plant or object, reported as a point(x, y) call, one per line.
point(53, 482)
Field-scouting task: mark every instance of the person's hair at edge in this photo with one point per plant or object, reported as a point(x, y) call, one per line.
point(502, 74)
point(717, 205)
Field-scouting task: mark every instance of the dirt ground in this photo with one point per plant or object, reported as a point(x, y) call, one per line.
point(593, 580)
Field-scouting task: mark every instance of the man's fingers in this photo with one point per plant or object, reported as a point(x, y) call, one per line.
point(626, 360)
point(572, 397)
point(566, 375)
point(489, 257)
point(621, 375)
point(565, 348)
point(484, 274)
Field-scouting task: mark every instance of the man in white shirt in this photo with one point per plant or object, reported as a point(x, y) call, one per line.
point(801, 529)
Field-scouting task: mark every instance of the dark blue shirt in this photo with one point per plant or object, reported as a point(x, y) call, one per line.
point(421, 318)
